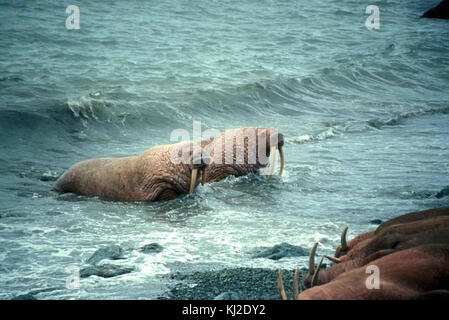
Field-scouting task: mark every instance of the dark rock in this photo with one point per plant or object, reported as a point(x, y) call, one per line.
point(228, 295)
point(280, 251)
point(441, 11)
point(376, 221)
point(112, 252)
point(46, 177)
point(105, 271)
point(24, 297)
point(443, 193)
point(151, 248)
point(37, 291)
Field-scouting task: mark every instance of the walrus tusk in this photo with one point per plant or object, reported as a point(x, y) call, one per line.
point(337, 251)
point(281, 285)
point(204, 176)
point(273, 160)
point(281, 155)
point(312, 258)
point(295, 284)
point(344, 245)
point(315, 274)
point(193, 180)
point(333, 259)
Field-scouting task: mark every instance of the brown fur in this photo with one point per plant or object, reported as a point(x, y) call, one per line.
point(379, 247)
point(407, 274)
point(414, 216)
point(422, 229)
point(370, 245)
point(152, 176)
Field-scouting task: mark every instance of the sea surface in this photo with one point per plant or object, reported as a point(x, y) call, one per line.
point(365, 114)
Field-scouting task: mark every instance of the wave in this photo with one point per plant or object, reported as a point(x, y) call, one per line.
point(352, 126)
point(11, 78)
point(322, 135)
point(399, 118)
point(127, 109)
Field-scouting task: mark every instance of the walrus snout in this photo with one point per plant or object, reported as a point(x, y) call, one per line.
point(200, 163)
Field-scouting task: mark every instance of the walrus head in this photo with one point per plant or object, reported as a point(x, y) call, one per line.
point(242, 151)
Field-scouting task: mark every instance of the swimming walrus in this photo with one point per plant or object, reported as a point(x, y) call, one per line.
point(165, 172)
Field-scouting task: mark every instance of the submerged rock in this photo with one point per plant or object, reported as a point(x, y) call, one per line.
point(443, 193)
point(441, 11)
point(151, 248)
point(32, 294)
point(112, 252)
point(376, 221)
point(24, 297)
point(105, 271)
point(280, 251)
point(47, 177)
point(228, 295)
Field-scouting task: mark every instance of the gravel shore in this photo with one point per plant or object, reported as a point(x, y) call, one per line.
point(230, 284)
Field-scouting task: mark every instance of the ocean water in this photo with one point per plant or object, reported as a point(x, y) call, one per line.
point(365, 114)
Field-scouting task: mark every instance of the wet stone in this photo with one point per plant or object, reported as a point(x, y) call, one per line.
point(24, 297)
point(151, 248)
point(228, 295)
point(443, 193)
point(105, 271)
point(280, 251)
point(112, 252)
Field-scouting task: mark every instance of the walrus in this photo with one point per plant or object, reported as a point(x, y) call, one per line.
point(164, 172)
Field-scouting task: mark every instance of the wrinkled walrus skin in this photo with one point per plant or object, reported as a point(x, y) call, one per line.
point(153, 176)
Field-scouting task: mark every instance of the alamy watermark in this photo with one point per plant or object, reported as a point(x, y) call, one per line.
point(73, 280)
point(72, 22)
point(373, 281)
point(373, 21)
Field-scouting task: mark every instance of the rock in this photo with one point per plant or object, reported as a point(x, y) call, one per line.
point(112, 252)
point(24, 297)
point(105, 271)
point(46, 177)
point(376, 221)
point(151, 248)
point(280, 251)
point(228, 295)
point(31, 295)
point(443, 193)
point(441, 11)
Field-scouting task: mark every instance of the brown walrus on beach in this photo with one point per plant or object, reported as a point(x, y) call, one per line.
point(165, 172)
point(409, 252)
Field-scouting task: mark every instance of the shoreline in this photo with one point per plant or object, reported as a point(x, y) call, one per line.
point(240, 283)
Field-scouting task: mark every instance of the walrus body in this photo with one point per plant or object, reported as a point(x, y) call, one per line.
point(393, 243)
point(132, 178)
point(155, 175)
